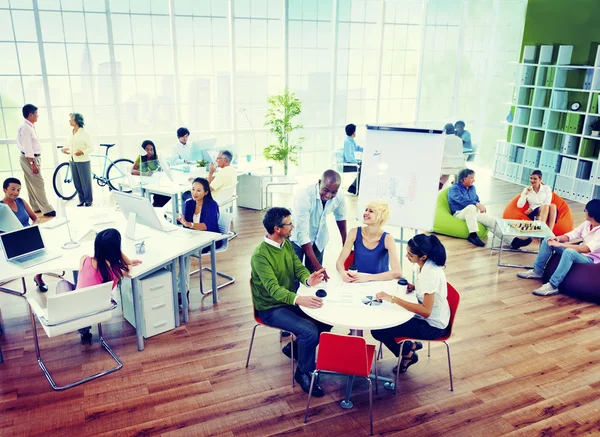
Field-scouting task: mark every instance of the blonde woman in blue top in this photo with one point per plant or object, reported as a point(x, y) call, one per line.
point(375, 253)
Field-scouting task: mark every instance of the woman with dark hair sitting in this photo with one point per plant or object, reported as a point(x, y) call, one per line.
point(538, 197)
point(432, 313)
point(200, 213)
point(146, 165)
point(109, 264)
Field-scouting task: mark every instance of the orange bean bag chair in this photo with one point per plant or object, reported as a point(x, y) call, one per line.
point(564, 223)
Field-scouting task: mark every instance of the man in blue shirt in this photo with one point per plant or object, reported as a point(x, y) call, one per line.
point(312, 205)
point(350, 147)
point(465, 205)
point(465, 136)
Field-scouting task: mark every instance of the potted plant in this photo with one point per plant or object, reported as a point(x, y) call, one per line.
point(282, 110)
point(202, 164)
point(595, 127)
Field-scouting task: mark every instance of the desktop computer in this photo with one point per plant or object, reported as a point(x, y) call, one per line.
point(139, 210)
point(204, 150)
point(8, 220)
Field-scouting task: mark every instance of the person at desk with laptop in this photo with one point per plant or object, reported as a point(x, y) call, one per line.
point(23, 212)
point(145, 166)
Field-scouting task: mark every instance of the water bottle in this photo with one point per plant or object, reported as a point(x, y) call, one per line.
point(402, 287)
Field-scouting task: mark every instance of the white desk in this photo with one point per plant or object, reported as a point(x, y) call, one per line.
point(343, 307)
point(163, 250)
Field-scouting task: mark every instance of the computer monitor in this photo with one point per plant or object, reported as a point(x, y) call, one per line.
point(8, 220)
point(142, 212)
point(166, 168)
point(200, 150)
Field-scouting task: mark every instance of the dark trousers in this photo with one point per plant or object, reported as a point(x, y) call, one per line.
point(158, 200)
point(82, 179)
point(415, 328)
point(307, 331)
point(303, 258)
point(356, 183)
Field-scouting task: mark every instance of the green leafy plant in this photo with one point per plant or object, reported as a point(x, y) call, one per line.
point(202, 163)
point(279, 119)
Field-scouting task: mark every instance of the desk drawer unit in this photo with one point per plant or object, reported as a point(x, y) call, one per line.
point(157, 303)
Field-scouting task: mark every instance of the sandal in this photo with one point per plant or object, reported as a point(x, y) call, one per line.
point(412, 360)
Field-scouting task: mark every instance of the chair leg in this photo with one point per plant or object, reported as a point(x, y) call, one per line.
point(251, 342)
point(292, 348)
point(230, 281)
point(370, 406)
point(312, 383)
point(376, 377)
point(398, 368)
point(81, 381)
point(449, 366)
point(428, 349)
point(380, 352)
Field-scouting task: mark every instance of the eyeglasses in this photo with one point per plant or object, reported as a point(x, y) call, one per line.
point(286, 224)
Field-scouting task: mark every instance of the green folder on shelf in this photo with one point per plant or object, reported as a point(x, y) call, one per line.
point(594, 106)
point(550, 76)
point(535, 138)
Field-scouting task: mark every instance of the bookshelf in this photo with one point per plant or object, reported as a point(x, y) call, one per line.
point(545, 133)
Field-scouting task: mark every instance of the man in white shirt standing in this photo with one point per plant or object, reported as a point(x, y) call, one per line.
point(31, 162)
point(312, 204)
point(225, 177)
point(180, 153)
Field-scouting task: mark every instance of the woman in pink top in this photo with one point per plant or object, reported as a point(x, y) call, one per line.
point(107, 264)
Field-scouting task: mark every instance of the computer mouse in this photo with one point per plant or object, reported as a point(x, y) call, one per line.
point(321, 293)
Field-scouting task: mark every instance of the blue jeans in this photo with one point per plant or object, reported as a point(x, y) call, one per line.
point(568, 257)
point(416, 328)
point(307, 331)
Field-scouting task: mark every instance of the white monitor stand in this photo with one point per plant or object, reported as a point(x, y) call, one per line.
point(133, 232)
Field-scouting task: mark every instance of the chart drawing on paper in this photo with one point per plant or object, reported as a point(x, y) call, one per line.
point(401, 189)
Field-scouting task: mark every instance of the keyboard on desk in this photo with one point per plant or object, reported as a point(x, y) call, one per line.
point(34, 259)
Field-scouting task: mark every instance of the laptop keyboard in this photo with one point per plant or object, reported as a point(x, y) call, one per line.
point(25, 258)
point(34, 259)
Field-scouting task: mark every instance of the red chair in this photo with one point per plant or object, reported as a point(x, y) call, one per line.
point(259, 322)
point(349, 261)
point(346, 355)
point(453, 298)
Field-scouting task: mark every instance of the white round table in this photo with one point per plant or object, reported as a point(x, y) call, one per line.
point(344, 306)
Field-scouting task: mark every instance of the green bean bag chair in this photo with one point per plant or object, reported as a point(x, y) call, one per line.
point(446, 224)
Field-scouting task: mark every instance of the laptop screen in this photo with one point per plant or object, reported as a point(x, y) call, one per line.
point(21, 242)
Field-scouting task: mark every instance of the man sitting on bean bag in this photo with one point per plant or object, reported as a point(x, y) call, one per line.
point(587, 252)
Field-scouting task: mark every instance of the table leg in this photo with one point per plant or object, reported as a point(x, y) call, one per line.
point(346, 404)
point(137, 311)
point(184, 302)
point(175, 291)
point(175, 209)
point(213, 266)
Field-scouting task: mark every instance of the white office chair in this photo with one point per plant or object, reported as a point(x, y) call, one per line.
point(224, 227)
point(67, 312)
point(226, 196)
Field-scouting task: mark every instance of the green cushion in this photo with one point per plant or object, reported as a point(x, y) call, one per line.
point(445, 223)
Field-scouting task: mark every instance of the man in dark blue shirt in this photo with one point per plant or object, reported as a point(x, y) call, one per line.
point(465, 205)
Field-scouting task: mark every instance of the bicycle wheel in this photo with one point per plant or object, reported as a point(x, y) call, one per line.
point(118, 171)
point(62, 181)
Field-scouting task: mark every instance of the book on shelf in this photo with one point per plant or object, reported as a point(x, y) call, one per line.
point(550, 76)
point(587, 82)
point(559, 100)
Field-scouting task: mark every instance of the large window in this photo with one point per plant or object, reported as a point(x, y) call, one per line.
point(139, 69)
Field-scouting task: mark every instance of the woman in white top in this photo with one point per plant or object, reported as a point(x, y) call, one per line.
point(432, 313)
point(79, 147)
point(539, 198)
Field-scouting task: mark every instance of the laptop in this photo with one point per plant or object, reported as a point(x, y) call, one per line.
point(25, 247)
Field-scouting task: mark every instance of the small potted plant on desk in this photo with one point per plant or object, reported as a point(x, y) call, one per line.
point(203, 164)
point(595, 127)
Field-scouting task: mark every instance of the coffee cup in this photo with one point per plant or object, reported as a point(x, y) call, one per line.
point(353, 269)
point(402, 287)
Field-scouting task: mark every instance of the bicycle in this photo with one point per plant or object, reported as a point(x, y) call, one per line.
point(64, 179)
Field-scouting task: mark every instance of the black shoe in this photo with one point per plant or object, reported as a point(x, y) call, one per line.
point(41, 288)
point(50, 214)
point(87, 204)
point(474, 239)
point(287, 350)
point(517, 243)
point(86, 337)
point(284, 334)
point(304, 380)
point(81, 204)
point(352, 190)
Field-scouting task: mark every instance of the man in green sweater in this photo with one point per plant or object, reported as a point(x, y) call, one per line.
point(275, 266)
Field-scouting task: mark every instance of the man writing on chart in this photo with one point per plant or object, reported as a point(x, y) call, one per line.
point(275, 267)
point(312, 205)
point(31, 162)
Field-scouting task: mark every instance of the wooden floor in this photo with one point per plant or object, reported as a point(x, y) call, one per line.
point(523, 365)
